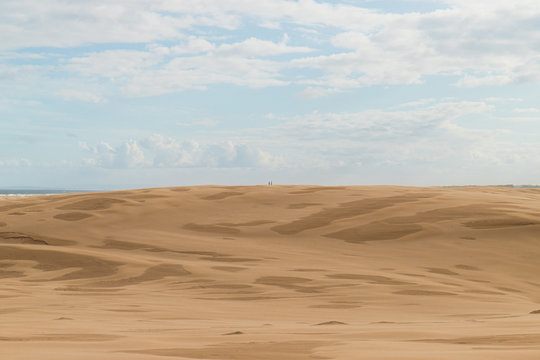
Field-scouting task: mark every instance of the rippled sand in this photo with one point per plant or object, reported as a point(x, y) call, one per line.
point(281, 272)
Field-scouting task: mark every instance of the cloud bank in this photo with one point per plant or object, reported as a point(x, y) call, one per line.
point(161, 47)
point(158, 151)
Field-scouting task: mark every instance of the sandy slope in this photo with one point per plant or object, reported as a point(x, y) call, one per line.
point(282, 272)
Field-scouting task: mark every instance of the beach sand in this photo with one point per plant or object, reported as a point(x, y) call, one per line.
point(280, 272)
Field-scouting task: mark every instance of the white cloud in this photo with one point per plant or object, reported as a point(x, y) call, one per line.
point(78, 95)
point(62, 23)
point(424, 134)
point(126, 155)
point(229, 154)
point(527, 110)
point(197, 72)
point(421, 102)
point(270, 25)
point(161, 70)
point(485, 44)
point(377, 122)
point(84, 146)
point(15, 163)
point(473, 81)
point(253, 47)
point(303, 12)
point(159, 151)
point(194, 45)
point(314, 92)
point(114, 64)
point(491, 47)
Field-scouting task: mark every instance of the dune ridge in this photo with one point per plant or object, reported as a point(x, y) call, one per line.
point(272, 272)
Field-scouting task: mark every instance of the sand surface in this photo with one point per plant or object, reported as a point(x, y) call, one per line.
point(281, 272)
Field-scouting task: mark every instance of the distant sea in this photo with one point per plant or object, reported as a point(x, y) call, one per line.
point(31, 192)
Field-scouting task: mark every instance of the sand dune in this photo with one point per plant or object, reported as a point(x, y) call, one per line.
point(281, 272)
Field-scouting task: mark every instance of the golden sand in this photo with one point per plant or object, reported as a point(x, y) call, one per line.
point(280, 272)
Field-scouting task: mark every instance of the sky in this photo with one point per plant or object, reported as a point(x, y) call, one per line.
point(108, 94)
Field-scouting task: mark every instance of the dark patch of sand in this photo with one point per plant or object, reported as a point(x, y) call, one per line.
point(72, 216)
point(343, 211)
point(332, 322)
point(209, 228)
point(92, 204)
point(372, 279)
point(222, 195)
